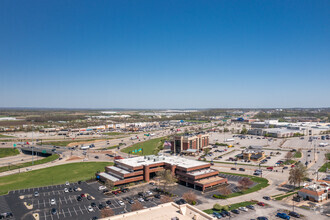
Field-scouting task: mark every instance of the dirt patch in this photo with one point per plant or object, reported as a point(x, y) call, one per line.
point(74, 158)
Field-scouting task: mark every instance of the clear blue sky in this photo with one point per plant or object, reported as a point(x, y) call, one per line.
point(164, 54)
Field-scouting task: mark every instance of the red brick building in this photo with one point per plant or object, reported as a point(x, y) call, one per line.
point(184, 142)
point(196, 174)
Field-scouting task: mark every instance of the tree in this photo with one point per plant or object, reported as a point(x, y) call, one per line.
point(166, 178)
point(190, 197)
point(107, 213)
point(297, 174)
point(109, 184)
point(244, 131)
point(288, 156)
point(206, 151)
point(136, 206)
point(225, 190)
point(245, 183)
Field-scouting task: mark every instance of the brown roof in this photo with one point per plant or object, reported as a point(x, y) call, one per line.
point(312, 192)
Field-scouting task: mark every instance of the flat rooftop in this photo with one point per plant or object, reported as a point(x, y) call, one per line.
point(151, 159)
point(209, 180)
point(118, 169)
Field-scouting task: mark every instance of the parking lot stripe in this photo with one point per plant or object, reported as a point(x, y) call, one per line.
point(38, 203)
point(86, 208)
point(70, 199)
point(81, 210)
point(44, 204)
point(63, 213)
point(53, 193)
point(51, 216)
point(69, 212)
point(58, 215)
point(60, 200)
point(75, 210)
point(45, 215)
point(65, 200)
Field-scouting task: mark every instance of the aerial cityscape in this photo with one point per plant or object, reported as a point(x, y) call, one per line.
point(164, 110)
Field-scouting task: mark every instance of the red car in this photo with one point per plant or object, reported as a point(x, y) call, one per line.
point(261, 203)
point(82, 195)
point(292, 166)
point(270, 168)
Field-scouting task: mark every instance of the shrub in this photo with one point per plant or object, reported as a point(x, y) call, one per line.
point(193, 202)
point(219, 196)
point(217, 207)
point(226, 208)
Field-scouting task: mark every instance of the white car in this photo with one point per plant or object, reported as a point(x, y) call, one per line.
point(243, 209)
point(102, 187)
point(140, 200)
point(67, 183)
point(121, 202)
point(90, 209)
point(149, 193)
point(66, 190)
point(52, 202)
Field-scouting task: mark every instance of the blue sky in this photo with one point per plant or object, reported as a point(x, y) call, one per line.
point(164, 54)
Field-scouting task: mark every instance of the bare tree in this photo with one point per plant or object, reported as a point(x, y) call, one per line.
point(288, 156)
point(224, 190)
point(136, 206)
point(109, 184)
point(245, 183)
point(190, 197)
point(107, 213)
point(298, 174)
point(166, 178)
point(166, 199)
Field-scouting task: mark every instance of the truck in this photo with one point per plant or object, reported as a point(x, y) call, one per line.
point(230, 139)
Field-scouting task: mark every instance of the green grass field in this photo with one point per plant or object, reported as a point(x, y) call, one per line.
point(285, 195)
point(5, 136)
point(324, 167)
point(147, 146)
point(297, 155)
point(52, 175)
point(7, 152)
point(28, 164)
point(262, 183)
point(113, 133)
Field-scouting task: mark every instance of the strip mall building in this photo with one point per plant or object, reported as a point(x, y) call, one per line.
point(196, 174)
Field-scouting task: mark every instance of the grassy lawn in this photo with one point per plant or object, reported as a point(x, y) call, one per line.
point(289, 162)
point(262, 183)
point(324, 167)
point(233, 163)
point(285, 195)
point(147, 146)
point(51, 176)
point(109, 148)
point(297, 155)
point(113, 133)
point(233, 206)
point(6, 152)
point(5, 136)
point(28, 164)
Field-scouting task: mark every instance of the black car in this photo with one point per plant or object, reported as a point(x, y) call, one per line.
point(235, 211)
point(140, 193)
point(233, 168)
point(157, 196)
point(294, 214)
point(181, 202)
point(101, 206)
point(96, 157)
point(250, 207)
point(266, 197)
point(53, 211)
point(225, 213)
point(79, 198)
point(108, 202)
point(89, 197)
point(93, 204)
point(241, 169)
point(70, 190)
point(262, 218)
point(79, 182)
point(95, 218)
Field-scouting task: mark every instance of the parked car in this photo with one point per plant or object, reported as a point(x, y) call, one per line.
point(266, 197)
point(270, 168)
point(90, 209)
point(108, 202)
point(157, 196)
point(294, 214)
point(102, 187)
point(121, 202)
point(36, 194)
point(53, 211)
point(235, 211)
point(250, 207)
point(233, 168)
point(241, 169)
point(261, 204)
point(262, 218)
point(79, 198)
point(93, 204)
point(181, 202)
point(217, 215)
point(52, 202)
point(243, 209)
point(101, 206)
point(283, 215)
point(66, 190)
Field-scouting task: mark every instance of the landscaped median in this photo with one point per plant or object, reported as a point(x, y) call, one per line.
point(230, 207)
point(28, 164)
point(72, 172)
point(262, 183)
point(7, 152)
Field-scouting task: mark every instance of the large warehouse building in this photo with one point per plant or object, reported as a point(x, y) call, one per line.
point(196, 174)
